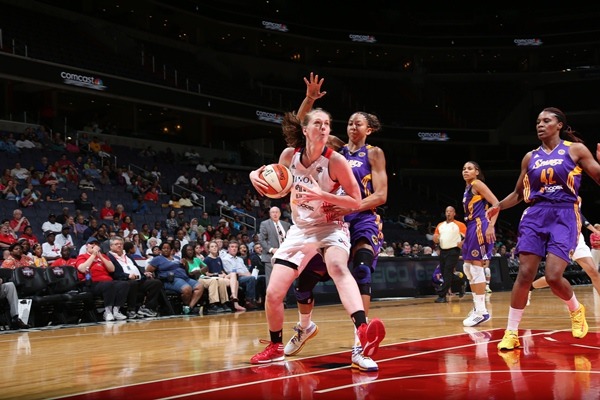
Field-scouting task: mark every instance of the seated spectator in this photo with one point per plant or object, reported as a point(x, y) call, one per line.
point(175, 277)
point(64, 238)
point(173, 201)
point(185, 200)
point(217, 288)
point(99, 267)
point(38, 258)
point(107, 212)
point(183, 180)
point(127, 270)
point(134, 248)
point(257, 268)
point(65, 258)
point(42, 165)
point(17, 258)
point(24, 143)
point(64, 216)
point(151, 195)
point(86, 183)
point(7, 236)
point(52, 195)
point(138, 206)
point(20, 173)
point(232, 263)
point(50, 250)
point(216, 269)
point(26, 200)
point(83, 204)
point(29, 236)
point(8, 291)
point(18, 222)
point(10, 191)
point(51, 225)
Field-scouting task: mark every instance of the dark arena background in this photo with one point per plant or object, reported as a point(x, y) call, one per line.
point(185, 98)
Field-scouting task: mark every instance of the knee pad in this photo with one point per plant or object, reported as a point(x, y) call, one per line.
point(467, 271)
point(478, 274)
point(362, 274)
point(488, 273)
point(304, 286)
point(363, 256)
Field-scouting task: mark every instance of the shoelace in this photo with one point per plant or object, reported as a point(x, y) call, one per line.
point(298, 336)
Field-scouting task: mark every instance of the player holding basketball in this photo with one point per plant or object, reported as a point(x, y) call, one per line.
point(368, 166)
point(549, 181)
point(318, 173)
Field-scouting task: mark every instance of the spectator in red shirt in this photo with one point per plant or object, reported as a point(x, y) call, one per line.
point(18, 222)
point(28, 234)
point(7, 237)
point(107, 212)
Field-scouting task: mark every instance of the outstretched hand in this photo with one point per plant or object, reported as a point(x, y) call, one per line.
point(313, 87)
point(492, 211)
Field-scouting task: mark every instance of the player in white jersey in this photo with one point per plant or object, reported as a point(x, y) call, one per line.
point(318, 173)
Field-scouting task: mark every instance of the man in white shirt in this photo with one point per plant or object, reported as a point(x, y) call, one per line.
point(233, 263)
point(50, 250)
point(64, 238)
point(51, 225)
point(19, 172)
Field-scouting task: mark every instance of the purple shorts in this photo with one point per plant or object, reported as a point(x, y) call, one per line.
point(549, 229)
point(475, 246)
point(366, 225)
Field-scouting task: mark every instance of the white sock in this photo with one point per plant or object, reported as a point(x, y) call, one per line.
point(305, 320)
point(572, 303)
point(514, 318)
point(480, 304)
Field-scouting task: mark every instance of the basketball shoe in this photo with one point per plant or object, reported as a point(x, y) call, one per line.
point(273, 352)
point(509, 341)
point(579, 325)
point(362, 363)
point(370, 335)
point(297, 342)
point(476, 318)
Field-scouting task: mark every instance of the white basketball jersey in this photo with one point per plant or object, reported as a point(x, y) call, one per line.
point(310, 213)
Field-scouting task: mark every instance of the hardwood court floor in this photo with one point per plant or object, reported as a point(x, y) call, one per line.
point(427, 353)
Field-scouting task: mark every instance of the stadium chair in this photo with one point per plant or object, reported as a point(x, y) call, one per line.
point(78, 304)
point(31, 284)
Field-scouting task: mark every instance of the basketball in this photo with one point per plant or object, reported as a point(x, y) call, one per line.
point(279, 179)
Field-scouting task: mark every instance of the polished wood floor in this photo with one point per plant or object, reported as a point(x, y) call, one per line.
point(75, 360)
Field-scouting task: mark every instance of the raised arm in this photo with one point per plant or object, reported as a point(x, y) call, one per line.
point(313, 92)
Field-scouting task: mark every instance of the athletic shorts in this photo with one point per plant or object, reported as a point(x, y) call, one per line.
point(300, 245)
point(368, 226)
point(547, 229)
point(475, 246)
point(582, 250)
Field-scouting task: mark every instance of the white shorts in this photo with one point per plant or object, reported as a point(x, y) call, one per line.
point(300, 245)
point(582, 250)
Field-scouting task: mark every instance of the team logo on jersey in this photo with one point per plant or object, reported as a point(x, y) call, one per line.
point(475, 253)
point(375, 240)
point(561, 152)
point(319, 169)
point(362, 154)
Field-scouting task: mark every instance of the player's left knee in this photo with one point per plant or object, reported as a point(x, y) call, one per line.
point(478, 275)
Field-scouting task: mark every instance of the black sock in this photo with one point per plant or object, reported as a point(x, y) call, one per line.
point(276, 337)
point(359, 318)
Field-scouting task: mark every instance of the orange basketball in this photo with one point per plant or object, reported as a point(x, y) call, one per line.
point(279, 179)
